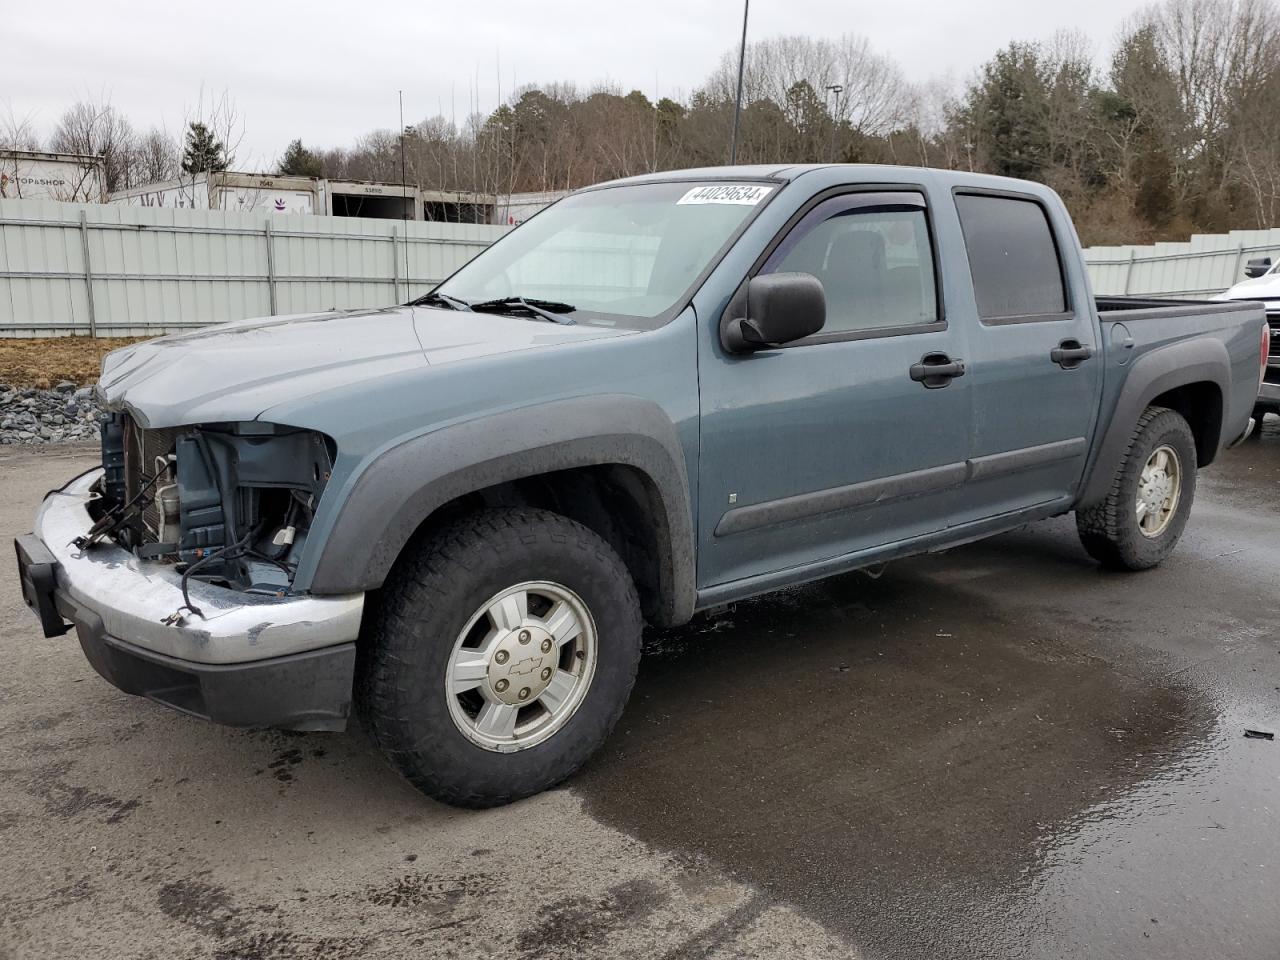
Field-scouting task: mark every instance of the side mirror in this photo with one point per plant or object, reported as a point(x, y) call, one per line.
point(1258, 267)
point(773, 309)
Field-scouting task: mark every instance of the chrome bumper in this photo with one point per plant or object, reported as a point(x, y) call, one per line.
point(132, 597)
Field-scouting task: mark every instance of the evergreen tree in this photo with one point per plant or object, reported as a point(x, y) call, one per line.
point(1147, 105)
point(298, 161)
point(203, 152)
point(1007, 112)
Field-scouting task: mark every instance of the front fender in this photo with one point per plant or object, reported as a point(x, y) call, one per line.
point(404, 485)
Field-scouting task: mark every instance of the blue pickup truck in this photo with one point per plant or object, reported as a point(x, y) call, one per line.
point(660, 395)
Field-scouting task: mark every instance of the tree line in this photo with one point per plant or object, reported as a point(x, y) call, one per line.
point(1173, 132)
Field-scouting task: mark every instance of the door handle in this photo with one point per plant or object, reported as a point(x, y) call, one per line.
point(1069, 354)
point(936, 370)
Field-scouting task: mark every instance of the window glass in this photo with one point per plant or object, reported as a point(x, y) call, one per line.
point(620, 255)
point(875, 262)
point(1012, 257)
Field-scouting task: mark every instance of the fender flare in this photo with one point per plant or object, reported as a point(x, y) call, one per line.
point(404, 485)
point(1155, 372)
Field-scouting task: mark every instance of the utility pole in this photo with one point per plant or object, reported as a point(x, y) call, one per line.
point(404, 186)
point(737, 106)
point(834, 89)
point(404, 212)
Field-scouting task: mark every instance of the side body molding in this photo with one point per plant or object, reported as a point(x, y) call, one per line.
point(1185, 362)
point(405, 484)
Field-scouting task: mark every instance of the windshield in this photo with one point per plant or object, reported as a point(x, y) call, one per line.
point(621, 255)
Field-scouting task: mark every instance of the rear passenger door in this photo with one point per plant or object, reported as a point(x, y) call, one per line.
point(1035, 377)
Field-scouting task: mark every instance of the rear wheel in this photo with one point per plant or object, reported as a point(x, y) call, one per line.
point(500, 657)
point(1139, 522)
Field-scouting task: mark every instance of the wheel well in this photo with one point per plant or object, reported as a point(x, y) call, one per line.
point(1200, 404)
point(617, 502)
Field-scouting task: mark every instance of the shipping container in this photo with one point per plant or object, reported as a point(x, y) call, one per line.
point(457, 206)
point(286, 194)
point(26, 175)
point(513, 209)
point(381, 201)
point(230, 191)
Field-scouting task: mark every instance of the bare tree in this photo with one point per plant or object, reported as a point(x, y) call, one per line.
point(860, 91)
point(156, 158)
point(97, 129)
point(1254, 159)
point(17, 133)
point(1221, 54)
point(929, 138)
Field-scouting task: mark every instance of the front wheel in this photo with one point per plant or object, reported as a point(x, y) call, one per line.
point(1139, 522)
point(500, 657)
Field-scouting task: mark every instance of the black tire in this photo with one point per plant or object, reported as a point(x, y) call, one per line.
point(1110, 530)
point(426, 602)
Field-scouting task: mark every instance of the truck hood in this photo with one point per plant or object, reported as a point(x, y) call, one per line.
point(1266, 287)
point(235, 371)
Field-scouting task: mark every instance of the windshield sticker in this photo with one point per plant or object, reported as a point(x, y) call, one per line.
point(746, 194)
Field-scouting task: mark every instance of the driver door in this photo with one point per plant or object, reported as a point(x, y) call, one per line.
point(824, 449)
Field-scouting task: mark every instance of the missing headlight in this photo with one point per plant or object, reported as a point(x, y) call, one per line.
point(228, 503)
point(254, 486)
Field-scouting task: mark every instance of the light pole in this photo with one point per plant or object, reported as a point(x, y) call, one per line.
point(835, 90)
point(737, 106)
point(404, 186)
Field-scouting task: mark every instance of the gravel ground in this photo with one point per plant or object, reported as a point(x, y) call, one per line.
point(67, 412)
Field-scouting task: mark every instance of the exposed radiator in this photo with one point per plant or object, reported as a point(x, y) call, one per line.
point(141, 447)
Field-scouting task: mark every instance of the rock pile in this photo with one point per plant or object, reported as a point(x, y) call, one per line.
point(65, 413)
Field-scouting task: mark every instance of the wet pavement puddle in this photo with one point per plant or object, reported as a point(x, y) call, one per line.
point(964, 759)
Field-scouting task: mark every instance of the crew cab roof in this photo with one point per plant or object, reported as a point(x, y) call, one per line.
point(856, 172)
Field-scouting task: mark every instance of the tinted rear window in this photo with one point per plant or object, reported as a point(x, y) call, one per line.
point(1012, 257)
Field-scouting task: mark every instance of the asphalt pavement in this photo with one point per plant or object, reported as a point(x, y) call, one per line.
point(1000, 751)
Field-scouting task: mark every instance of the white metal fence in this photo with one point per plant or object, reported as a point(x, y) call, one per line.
point(133, 271)
point(1204, 266)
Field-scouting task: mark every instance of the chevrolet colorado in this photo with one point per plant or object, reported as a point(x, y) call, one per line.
point(660, 395)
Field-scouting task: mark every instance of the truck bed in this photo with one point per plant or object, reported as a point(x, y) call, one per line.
point(1151, 308)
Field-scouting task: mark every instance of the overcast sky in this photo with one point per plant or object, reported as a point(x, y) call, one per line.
point(327, 71)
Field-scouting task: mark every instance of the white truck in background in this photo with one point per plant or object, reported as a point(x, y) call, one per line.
point(1262, 283)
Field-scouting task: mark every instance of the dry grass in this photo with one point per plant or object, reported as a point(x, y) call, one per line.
point(42, 362)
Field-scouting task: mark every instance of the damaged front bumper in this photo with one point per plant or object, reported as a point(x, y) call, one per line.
point(249, 660)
